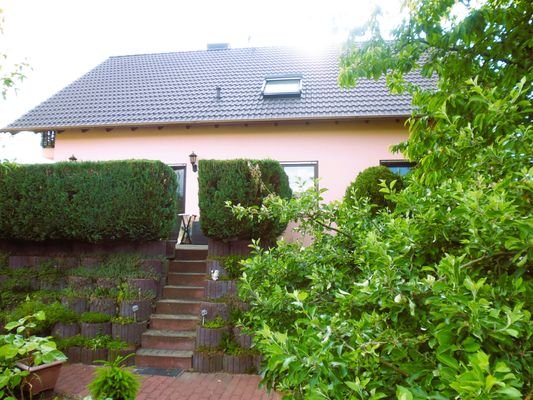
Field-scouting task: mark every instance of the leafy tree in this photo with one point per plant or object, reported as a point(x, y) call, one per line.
point(433, 299)
point(9, 77)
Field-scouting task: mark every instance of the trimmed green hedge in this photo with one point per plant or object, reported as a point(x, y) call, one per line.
point(88, 201)
point(244, 182)
point(366, 184)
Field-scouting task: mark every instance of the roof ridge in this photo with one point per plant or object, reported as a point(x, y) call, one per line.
point(229, 49)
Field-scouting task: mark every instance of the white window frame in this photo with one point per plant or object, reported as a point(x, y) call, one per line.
point(313, 164)
point(266, 92)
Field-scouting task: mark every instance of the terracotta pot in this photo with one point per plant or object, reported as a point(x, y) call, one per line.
point(40, 378)
point(129, 333)
point(242, 364)
point(92, 330)
point(208, 337)
point(62, 330)
point(207, 361)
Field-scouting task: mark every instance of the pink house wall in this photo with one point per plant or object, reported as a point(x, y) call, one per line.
point(342, 149)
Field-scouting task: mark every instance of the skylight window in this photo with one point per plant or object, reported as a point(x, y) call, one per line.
point(288, 86)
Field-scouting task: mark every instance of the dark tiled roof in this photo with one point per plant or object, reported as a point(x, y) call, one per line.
point(169, 88)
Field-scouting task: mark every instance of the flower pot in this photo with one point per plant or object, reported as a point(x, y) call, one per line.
point(41, 377)
point(62, 330)
point(104, 306)
point(91, 330)
point(215, 310)
point(77, 304)
point(207, 361)
point(217, 289)
point(144, 312)
point(210, 337)
point(129, 333)
point(241, 364)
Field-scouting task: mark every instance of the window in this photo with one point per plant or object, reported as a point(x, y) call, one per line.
point(282, 86)
point(302, 175)
point(400, 167)
point(180, 194)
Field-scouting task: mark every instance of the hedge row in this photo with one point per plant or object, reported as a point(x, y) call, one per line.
point(244, 182)
point(88, 201)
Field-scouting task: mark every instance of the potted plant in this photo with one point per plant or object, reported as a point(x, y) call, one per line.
point(134, 302)
point(67, 324)
point(207, 359)
point(31, 363)
point(94, 324)
point(127, 329)
point(115, 382)
point(103, 300)
point(76, 300)
point(81, 278)
point(238, 360)
point(211, 333)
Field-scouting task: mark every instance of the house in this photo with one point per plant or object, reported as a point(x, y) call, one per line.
point(222, 103)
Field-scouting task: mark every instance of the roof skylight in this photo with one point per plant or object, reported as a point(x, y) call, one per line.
point(282, 86)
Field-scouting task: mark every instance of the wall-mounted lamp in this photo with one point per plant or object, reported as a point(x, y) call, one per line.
point(72, 158)
point(192, 158)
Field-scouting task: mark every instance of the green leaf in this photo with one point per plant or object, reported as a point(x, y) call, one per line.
point(448, 360)
point(509, 393)
point(470, 345)
point(8, 351)
point(402, 393)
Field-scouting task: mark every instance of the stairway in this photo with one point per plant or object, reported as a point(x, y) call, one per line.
point(170, 340)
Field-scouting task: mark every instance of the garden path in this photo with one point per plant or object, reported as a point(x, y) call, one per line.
point(74, 379)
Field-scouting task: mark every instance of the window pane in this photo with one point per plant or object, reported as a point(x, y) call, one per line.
point(281, 86)
point(301, 176)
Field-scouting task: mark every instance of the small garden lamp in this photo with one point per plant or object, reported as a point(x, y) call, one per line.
point(135, 308)
point(192, 158)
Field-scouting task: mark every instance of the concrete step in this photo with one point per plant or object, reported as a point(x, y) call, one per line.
point(183, 292)
point(163, 358)
point(190, 252)
point(168, 340)
point(187, 266)
point(177, 306)
point(186, 278)
point(174, 322)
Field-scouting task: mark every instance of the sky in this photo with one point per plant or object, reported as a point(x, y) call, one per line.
point(61, 40)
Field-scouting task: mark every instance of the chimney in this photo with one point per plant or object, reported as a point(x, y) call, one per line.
point(217, 46)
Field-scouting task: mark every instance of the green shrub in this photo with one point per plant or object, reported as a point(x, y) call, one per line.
point(245, 182)
point(55, 312)
point(88, 201)
point(115, 382)
point(91, 317)
point(368, 184)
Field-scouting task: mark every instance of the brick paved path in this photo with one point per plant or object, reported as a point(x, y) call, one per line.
point(74, 379)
